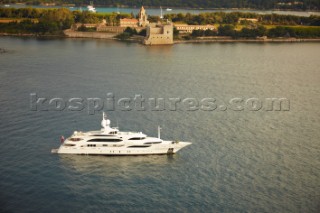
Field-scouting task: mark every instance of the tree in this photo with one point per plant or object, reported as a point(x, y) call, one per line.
point(62, 17)
point(226, 30)
point(131, 31)
point(175, 32)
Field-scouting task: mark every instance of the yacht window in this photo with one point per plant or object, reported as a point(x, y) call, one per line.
point(68, 144)
point(105, 140)
point(141, 146)
point(137, 138)
point(75, 139)
point(109, 134)
point(156, 142)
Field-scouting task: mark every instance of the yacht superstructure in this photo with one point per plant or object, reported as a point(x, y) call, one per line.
point(110, 141)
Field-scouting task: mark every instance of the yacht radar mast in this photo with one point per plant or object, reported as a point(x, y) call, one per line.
point(159, 131)
point(105, 123)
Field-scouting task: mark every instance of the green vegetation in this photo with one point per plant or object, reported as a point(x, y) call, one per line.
point(251, 25)
point(87, 17)
point(143, 33)
point(237, 25)
point(49, 21)
point(227, 30)
point(127, 33)
point(25, 26)
point(113, 19)
point(82, 17)
point(154, 18)
point(297, 32)
point(202, 33)
point(252, 33)
point(202, 18)
point(234, 17)
point(260, 31)
point(256, 4)
point(175, 33)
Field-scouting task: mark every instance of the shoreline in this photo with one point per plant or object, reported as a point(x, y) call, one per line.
point(172, 7)
point(244, 40)
point(31, 35)
point(196, 40)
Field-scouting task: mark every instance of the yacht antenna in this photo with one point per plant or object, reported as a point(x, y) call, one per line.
point(159, 130)
point(117, 123)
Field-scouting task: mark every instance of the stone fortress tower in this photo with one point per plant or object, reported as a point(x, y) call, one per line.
point(160, 33)
point(157, 33)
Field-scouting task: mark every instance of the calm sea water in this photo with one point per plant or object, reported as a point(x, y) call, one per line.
point(240, 161)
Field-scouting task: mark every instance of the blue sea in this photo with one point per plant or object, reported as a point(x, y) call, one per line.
point(243, 157)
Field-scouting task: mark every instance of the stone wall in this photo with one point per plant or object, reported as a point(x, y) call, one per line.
point(111, 29)
point(78, 34)
point(115, 29)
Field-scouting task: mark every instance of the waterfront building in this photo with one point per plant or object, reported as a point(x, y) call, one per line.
point(185, 28)
point(253, 20)
point(129, 22)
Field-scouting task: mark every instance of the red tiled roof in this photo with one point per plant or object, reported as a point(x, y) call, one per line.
point(129, 20)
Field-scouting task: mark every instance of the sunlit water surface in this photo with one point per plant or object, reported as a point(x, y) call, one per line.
point(255, 161)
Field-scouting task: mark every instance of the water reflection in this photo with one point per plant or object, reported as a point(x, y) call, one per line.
point(117, 165)
point(160, 49)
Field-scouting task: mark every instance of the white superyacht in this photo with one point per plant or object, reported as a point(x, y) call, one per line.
point(110, 141)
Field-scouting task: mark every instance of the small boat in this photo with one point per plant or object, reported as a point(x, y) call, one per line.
point(110, 141)
point(91, 9)
point(7, 5)
point(168, 9)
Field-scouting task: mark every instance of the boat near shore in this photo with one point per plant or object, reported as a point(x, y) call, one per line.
point(91, 8)
point(110, 141)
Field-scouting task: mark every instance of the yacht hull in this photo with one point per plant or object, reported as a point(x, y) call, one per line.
point(154, 150)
